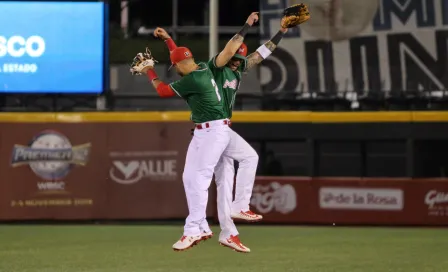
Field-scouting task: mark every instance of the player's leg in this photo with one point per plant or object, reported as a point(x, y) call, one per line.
point(209, 145)
point(187, 177)
point(224, 176)
point(206, 231)
point(241, 151)
point(188, 169)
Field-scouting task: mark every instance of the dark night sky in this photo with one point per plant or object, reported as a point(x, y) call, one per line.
point(154, 13)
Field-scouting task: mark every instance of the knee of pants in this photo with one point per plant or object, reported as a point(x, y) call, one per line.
point(221, 185)
point(187, 177)
point(203, 178)
point(224, 175)
point(251, 159)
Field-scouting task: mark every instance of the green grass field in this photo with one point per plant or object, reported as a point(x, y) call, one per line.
point(148, 248)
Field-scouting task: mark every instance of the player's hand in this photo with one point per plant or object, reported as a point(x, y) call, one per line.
point(142, 63)
point(253, 18)
point(161, 34)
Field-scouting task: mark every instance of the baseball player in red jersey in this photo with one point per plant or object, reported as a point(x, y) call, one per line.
point(227, 70)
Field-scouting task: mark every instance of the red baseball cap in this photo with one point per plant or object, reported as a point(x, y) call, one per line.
point(179, 54)
point(242, 52)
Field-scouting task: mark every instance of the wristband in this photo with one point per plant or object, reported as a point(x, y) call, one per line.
point(264, 51)
point(277, 38)
point(244, 30)
point(171, 44)
point(152, 75)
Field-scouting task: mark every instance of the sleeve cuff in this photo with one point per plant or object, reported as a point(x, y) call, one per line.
point(264, 51)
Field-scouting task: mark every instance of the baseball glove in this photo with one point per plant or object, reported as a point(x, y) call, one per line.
point(142, 61)
point(295, 15)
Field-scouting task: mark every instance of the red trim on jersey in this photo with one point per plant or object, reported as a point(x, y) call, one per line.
point(171, 44)
point(164, 90)
point(151, 73)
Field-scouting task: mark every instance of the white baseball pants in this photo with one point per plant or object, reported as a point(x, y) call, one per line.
point(214, 150)
point(204, 152)
point(241, 151)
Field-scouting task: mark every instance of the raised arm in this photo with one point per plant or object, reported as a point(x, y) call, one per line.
point(293, 16)
point(235, 43)
point(265, 50)
point(162, 34)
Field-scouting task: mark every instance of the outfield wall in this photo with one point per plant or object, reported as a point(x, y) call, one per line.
point(352, 201)
point(129, 166)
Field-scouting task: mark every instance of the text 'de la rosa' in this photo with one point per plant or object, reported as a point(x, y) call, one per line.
point(361, 198)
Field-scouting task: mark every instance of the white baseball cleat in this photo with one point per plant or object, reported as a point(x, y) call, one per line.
point(206, 235)
point(247, 216)
point(186, 242)
point(234, 243)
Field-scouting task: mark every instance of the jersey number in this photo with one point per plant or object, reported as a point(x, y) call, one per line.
point(216, 89)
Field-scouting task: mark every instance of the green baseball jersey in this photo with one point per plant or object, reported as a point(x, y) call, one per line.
point(202, 95)
point(228, 82)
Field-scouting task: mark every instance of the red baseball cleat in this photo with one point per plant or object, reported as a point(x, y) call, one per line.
point(247, 216)
point(234, 243)
point(187, 242)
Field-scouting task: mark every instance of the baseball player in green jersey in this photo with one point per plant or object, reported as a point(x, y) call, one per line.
point(227, 70)
point(229, 235)
point(211, 135)
point(210, 142)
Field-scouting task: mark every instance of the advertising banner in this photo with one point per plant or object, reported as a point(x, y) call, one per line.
point(88, 167)
point(144, 163)
point(352, 45)
point(52, 171)
point(35, 57)
point(94, 171)
point(352, 201)
point(281, 200)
